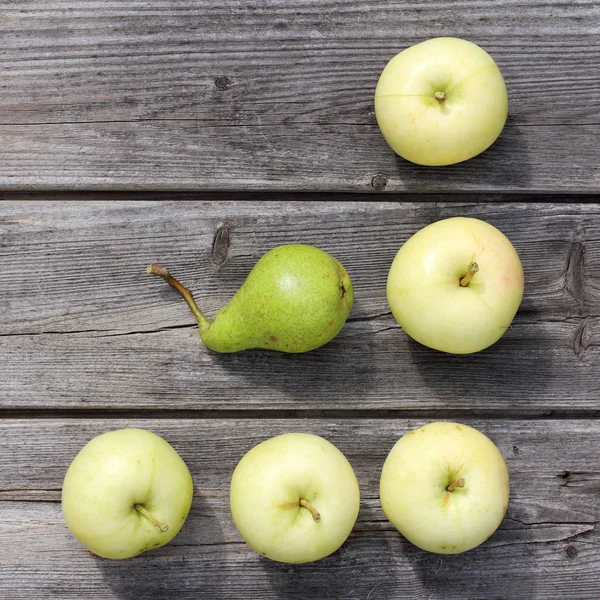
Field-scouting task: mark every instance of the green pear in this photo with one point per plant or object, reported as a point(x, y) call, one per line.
point(295, 299)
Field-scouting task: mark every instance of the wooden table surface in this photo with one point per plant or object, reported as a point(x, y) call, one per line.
point(157, 130)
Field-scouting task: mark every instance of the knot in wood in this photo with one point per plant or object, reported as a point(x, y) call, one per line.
point(379, 182)
point(220, 245)
point(563, 478)
point(222, 83)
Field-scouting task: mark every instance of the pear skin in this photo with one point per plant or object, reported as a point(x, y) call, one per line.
point(296, 298)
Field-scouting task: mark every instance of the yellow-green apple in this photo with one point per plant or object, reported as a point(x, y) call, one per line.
point(126, 492)
point(441, 102)
point(456, 285)
point(445, 487)
point(294, 498)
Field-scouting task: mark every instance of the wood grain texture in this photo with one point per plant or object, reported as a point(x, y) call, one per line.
point(84, 327)
point(239, 95)
point(546, 547)
point(278, 95)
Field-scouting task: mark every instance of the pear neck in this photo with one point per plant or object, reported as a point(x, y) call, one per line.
point(203, 322)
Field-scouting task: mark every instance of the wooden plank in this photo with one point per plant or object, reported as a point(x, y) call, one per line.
point(58, 256)
point(84, 327)
point(546, 547)
point(152, 95)
point(540, 368)
point(303, 80)
point(187, 155)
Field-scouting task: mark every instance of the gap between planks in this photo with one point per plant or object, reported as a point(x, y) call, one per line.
point(142, 414)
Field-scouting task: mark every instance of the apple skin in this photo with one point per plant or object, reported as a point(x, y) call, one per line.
point(416, 474)
point(426, 131)
point(110, 475)
point(269, 482)
point(425, 295)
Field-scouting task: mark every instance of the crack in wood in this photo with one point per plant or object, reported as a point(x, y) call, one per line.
point(366, 318)
point(101, 332)
point(349, 333)
point(149, 331)
point(573, 478)
point(581, 340)
point(592, 524)
point(31, 333)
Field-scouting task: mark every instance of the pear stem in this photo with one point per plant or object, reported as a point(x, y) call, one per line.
point(459, 483)
point(162, 526)
point(440, 96)
point(161, 271)
point(313, 511)
point(472, 268)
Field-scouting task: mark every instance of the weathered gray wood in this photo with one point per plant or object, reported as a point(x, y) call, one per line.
point(258, 76)
point(539, 368)
point(187, 155)
point(73, 266)
point(247, 95)
point(546, 547)
point(221, 95)
point(85, 327)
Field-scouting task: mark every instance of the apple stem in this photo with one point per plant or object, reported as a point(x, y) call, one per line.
point(162, 526)
point(440, 96)
point(472, 268)
point(313, 511)
point(459, 483)
point(161, 271)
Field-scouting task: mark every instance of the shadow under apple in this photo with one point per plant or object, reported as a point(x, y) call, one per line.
point(505, 566)
point(511, 375)
point(364, 567)
point(176, 569)
point(382, 565)
point(505, 164)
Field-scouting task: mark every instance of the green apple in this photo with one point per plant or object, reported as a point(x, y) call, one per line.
point(445, 487)
point(294, 498)
point(456, 285)
point(441, 102)
point(126, 492)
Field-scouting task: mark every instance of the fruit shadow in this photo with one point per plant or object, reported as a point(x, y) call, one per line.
point(506, 566)
point(335, 376)
point(175, 570)
point(510, 377)
point(365, 566)
point(380, 564)
point(385, 566)
point(362, 568)
point(505, 164)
